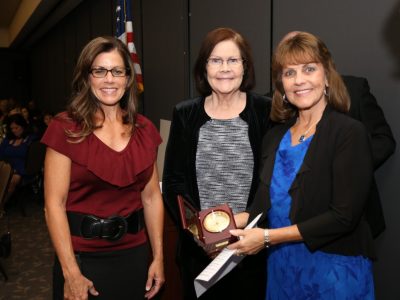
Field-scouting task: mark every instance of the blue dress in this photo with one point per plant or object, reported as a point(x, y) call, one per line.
point(16, 155)
point(293, 271)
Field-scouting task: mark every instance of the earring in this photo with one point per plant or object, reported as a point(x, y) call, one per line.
point(326, 92)
point(284, 98)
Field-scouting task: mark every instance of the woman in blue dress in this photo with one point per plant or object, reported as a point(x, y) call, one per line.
point(13, 149)
point(314, 183)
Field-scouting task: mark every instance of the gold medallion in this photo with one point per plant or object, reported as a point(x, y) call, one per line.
point(216, 221)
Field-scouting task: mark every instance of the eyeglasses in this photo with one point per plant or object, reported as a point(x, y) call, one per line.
point(102, 72)
point(218, 62)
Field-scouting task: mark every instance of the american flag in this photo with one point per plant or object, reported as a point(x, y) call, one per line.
point(124, 31)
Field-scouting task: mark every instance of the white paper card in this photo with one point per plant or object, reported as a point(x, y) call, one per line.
point(219, 267)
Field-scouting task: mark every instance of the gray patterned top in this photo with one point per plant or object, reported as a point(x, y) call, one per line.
point(224, 163)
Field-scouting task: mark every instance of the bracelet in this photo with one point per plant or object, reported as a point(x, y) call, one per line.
point(267, 241)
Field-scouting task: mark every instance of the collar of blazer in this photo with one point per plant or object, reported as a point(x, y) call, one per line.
point(271, 144)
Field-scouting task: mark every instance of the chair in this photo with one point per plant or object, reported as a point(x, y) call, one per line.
point(6, 172)
point(35, 158)
point(34, 166)
point(32, 188)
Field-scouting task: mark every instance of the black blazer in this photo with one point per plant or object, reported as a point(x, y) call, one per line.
point(365, 108)
point(330, 191)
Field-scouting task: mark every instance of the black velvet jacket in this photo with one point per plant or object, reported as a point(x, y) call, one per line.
point(331, 189)
point(179, 175)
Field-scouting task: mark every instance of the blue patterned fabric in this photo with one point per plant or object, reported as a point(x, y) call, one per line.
point(16, 155)
point(293, 271)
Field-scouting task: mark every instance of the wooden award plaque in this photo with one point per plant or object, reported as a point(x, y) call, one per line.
point(210, 227)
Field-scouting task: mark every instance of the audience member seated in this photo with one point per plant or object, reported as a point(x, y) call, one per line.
point(4, 106)
point(34, 124)
point(34, 112)
point(47, 117)
point(14, 148)
point(14, 106)
point(15, 111)
point(44, 122)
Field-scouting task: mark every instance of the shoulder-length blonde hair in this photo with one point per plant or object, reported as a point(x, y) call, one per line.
point(302, 48)
point(83, 103)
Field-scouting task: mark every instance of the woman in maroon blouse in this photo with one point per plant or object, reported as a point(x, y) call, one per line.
point(101, 184)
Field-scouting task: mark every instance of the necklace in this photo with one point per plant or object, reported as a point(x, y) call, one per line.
point(303, 136)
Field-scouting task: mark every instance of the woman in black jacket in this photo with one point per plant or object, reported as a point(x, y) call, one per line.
point(315, 178)
point(213, 153)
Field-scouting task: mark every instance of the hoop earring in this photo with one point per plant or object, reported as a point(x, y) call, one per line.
point(284, 98)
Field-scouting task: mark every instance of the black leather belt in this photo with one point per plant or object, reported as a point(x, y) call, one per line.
point(112, 228)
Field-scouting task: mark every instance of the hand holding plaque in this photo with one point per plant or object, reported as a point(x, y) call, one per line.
point(210, 227)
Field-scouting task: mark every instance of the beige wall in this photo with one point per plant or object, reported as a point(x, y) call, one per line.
point(22, 15)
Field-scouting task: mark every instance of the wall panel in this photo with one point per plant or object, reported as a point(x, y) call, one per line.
point(83, 20)
point(14, 75)
point(71, 53)
point(164, 57)
point(55, 66)
point(101, 17)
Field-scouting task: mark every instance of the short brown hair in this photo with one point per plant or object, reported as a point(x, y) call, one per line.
point(83, 104)
point(210, 41)
point(299, 48)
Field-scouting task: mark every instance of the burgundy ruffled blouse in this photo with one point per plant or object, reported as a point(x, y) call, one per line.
point(105, 182)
